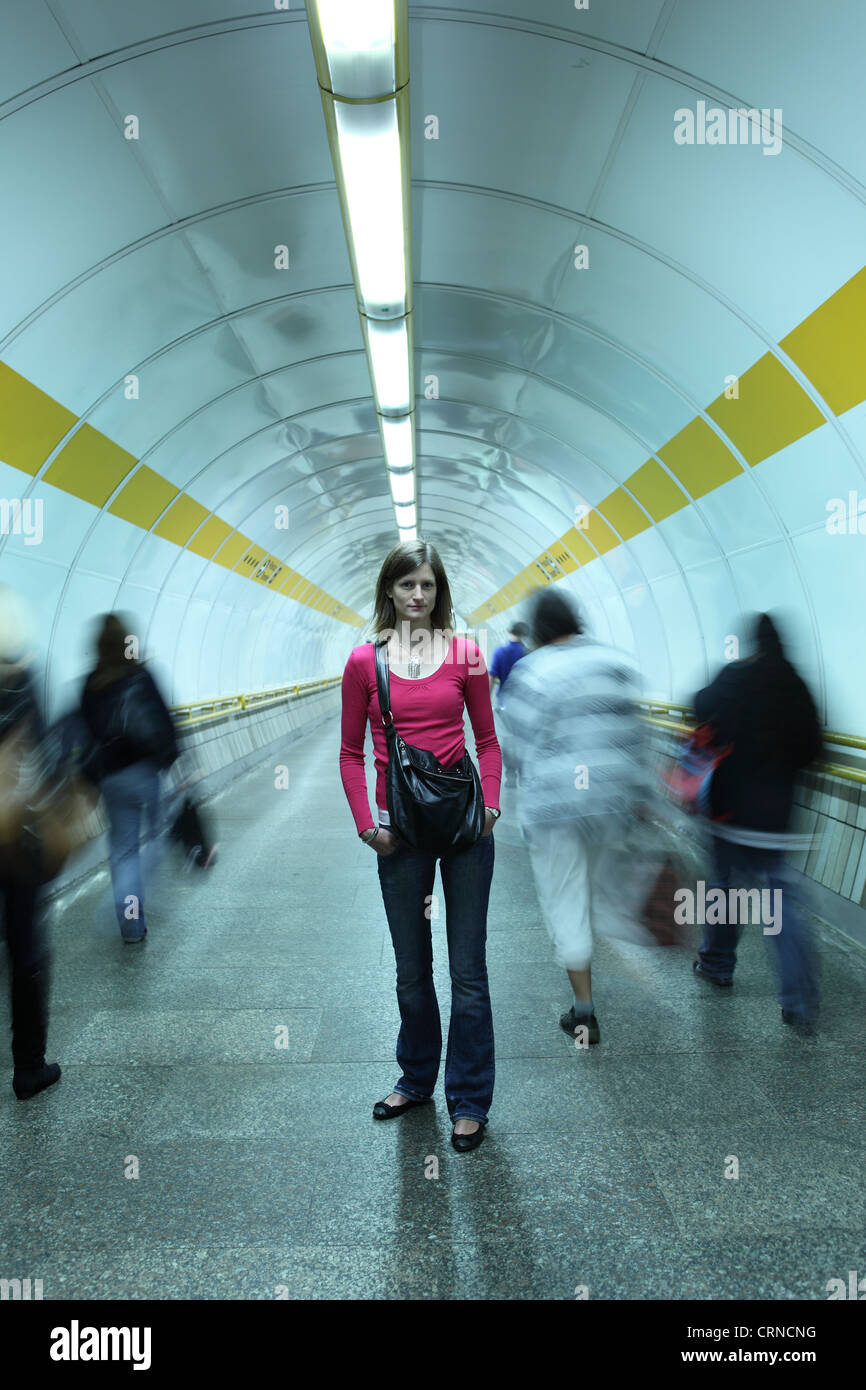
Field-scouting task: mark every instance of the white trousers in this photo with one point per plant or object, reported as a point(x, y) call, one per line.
point(587, 881)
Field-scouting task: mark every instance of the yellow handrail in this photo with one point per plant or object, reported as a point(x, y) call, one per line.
point(845, 774)
point(829, 735)
point(202, 711)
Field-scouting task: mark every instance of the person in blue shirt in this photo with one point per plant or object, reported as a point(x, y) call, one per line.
point(504, 659)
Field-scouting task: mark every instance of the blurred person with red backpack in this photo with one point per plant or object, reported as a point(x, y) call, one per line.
point(762, 715)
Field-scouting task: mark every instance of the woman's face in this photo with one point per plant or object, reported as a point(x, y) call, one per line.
point(414, 595)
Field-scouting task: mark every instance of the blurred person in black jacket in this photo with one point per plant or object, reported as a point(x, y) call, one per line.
point(22, 728)
point(762, 712)
point(134, 739)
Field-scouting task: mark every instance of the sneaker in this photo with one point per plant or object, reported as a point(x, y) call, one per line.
point(135, 940)
point(711, 979)
point(571, 1021)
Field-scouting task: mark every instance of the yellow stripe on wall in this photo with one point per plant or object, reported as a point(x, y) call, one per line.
point(181, 519)
point(209, 537)
point(763, 412)
point(143, 498)
point(33, 423)
point(769, 412)
point(91, 467)
point(829, 346)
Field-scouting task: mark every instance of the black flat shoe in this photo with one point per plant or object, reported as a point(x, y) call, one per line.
point(29, 1081)
point(463, 1143)
point(383, 1111)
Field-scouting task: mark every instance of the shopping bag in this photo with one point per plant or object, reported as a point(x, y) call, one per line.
point(192, 830)
point(657, 917)
point(43, 819)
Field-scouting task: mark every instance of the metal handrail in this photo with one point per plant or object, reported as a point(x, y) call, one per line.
point(845, 774)
point(203, 711)
point(828, 735)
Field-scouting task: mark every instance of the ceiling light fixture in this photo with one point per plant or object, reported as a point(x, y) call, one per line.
point(402, 486)
point(361, 51)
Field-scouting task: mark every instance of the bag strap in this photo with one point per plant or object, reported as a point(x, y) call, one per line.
point(383, 683)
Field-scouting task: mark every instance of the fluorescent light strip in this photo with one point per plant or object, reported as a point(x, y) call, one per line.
point(398, 438)
point(368, 141)
point(406, 516)
point(359, 42)
point(389, 357)
point(402, 487)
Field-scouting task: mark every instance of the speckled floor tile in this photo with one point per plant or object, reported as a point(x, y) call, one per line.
point(779, 1184)
point(238, 1193)
point(111, 1098)
point(262, 1170)
point(307, 1106)
point(209, 1035)
point(495, 1192)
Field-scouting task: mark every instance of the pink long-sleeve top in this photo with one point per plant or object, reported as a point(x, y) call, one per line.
point(428, 713)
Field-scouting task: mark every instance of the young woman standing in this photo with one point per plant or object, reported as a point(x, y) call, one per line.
point(433, 676)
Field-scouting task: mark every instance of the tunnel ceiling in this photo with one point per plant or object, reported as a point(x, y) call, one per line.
point(166, 389)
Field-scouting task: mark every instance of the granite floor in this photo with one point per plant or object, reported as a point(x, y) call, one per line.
point(212, 1136)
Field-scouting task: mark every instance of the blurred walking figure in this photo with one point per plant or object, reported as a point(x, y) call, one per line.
point(760, 710)
point(22, 727)
point(134, 739)
point(580, 743)
point(503, 660)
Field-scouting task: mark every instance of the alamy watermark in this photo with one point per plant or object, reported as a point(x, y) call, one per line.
point(847, 520)
point(740, 125)
point(20, 1289)
point(22, 517)
point(720, 907)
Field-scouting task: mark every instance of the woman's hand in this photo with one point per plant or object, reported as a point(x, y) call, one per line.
point(385, 842)
point(489, 822)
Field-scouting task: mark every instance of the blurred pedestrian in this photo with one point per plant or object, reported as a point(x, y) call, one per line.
point(762, 714)
point(582, 754)
point(22, 752)
point(134, 739)
point(504, 658)
point(432, 676)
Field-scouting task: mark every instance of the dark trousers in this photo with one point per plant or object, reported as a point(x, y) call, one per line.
point(792, 951)
point(29, 971)
point(407, 877)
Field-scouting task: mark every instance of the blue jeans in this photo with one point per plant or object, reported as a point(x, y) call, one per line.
point(131, 799)
point(794, 960)
point(407, 878)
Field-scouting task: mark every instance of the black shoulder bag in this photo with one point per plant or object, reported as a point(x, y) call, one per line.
point(436, 809)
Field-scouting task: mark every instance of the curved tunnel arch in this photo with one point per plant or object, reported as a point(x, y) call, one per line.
point(320, 546)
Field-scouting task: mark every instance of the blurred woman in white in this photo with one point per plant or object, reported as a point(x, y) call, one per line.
point(581, 749)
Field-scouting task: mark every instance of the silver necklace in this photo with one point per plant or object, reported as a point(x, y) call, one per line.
point(413, 665)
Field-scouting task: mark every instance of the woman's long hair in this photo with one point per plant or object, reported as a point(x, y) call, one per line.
point(113, 652)
point(402, 560)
